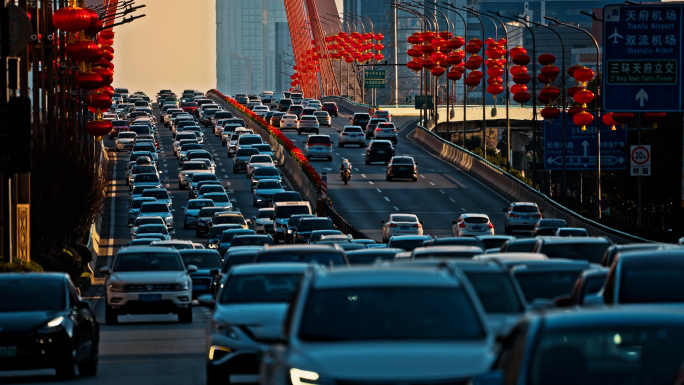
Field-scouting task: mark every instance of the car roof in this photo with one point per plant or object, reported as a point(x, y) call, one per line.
point(270, 268)
point(445, 249)
point(383, 276)
point(565, 240)
point(416, 237)
point(375, 250)
point(614, 317)
point(511, 257)
point(649, 255)
point(34, 276)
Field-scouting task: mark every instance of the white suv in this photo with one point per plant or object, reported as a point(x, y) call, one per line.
point(318, 146)
point(145, 280)
point(521, 215)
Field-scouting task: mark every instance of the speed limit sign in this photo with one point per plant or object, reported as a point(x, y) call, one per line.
point(640, 160)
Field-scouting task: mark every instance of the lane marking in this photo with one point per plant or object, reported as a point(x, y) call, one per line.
point(431, 183)
point(228, 183)
point(363, 175)
point(422, 176)
point(442, 191)
point(396, 208)
point(379, 190)
point(462, 209)
point(356, 169)
point(370, 182)
point(223, 169)
point(387, 199)
point(452, 200)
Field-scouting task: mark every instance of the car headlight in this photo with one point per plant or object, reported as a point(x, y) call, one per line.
point(53, 325)
point(303, 377)
point(213, 246)
point(181, 286)
point(169, 218)
point(117, 287)
point(224, 329)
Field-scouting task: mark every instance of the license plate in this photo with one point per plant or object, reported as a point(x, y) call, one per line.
point(381, 152)
point(476, 228)
point(149, 297)
point(8, 351)
point(200, 287)
point(525, 217)
point(403, 227)
point(403, 168)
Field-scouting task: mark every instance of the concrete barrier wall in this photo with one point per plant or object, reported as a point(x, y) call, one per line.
point(514, 188)
point(292, 171)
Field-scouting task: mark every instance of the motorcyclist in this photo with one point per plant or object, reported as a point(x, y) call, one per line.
point(346, 165)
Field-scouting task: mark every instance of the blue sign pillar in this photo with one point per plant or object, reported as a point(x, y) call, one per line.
point(581, 146)
point(642, 58)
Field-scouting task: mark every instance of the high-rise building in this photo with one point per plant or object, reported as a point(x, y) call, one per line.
point(246, 45)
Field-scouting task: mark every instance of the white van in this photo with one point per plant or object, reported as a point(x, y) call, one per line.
point(266, 97)
point(297, 97)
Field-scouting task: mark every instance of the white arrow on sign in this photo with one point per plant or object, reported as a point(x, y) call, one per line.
point(556, 160)
point(641, 97)
point(585, 144)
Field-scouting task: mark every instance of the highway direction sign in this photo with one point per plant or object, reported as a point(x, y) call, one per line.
point(374, 78)
point(640, 160)
point(420, 101)
point(581, 146)
point(642, 58)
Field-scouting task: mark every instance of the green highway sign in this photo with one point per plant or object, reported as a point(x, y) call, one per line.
point(420, 101)
point(374, 78)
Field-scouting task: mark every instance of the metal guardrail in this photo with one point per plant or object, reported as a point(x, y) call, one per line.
point(539, 195)
point(323, 206)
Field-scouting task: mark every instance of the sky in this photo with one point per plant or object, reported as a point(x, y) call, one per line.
point(173, 47)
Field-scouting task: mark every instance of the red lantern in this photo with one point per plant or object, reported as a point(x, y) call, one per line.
point(477, 41)
point(521, 78)
point(654, 117)
point(521, 97)
point(543, 79)
point(472, 64)
point(583, 96)
point(472, 81)
point(437, 71)
point(518, 70)
point(476, 73)
point(543, 99)
point(95, 27)
point(495, 71)
point(495, 89)
point(438, 42)
point(446, 35)
point(607, 119)
point(516, 51)
point(521, 59)
point(378, 47)
point(89, 80)
point(104, 42)
point(428, 35)
point(516, 88)
point(378, 56)
point(573, 90)
point(550, 113)
point(502, 41)
point(415, 39)
point(454, 75)
point(550, 71)
point(438, 56)
point(574, 110)
point(455, 58)
point(99, 128)
point(72, 19)
point(472, 48)
point(82, 50)
point(427, 64)
point(623, 117)
point(378, 37)
point(550, 93)
point(583, 74)
point(546, 59)
point(489, 41)
point(492, 80)
point(108, 48)
point(572, 69)
point(427, 48)
point(107, 55)
point(107, 34)
point(455, 42)
point(414, 52)
point(583, 119)
point(414, 66)
point(98, 100)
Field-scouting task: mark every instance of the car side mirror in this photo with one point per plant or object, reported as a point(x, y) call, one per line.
point(593, 300)
point(192, 268)
point(422, 223)
point(563, 301)
point(173, 210)
point(206, 300)
point(105, 270)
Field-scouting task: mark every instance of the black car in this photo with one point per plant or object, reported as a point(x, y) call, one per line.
point(548, 226)
point(275, 118)
point(360, 119)
point(284, 105)
point(379, 151)
point(307, 225)
point(208, 262)
point(636, 344)
point(241, 158)
point(372, 125)
point(295, 109)
point(403, 167)
point(44, 323)
point(204, 220)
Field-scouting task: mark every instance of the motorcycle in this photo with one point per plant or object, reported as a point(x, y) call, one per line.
point(346, 176)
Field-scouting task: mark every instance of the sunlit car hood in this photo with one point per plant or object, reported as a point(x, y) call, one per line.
point(147, 277)
point(263, 320)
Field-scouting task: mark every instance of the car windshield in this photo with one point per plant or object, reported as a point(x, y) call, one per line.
point(390, 314)
point(198, 204)
point(148, 261)
point(288, 211)
point(146, 178)
point(307, 256)
point(137, 203)
point(148, 220)
point(496, 292)
point(590, 251)
point(147, 229)
point(456, 254)
point(127, 135)
point(195, 166)
point(209, 211)
point(318, 140)
point(159, 194)
point(572, 232)
point(309, 118)
point(521, 245)
point(476, 220)
point(288, 196)
point(404, 218)
point(406, 244)
point(191, 146)
point(654, 281)
point(202, 260)
point(185, 136)
point(228, 219)
point(315, 224)
point(362, 116)
point(31, 294)
point(381, 145)
point(218, 197)
point(547, 284)
point(260, 159)
point(228, 235)
point(211, 188)
point(402, 161)
point(252, 241)
point(651, 354)
point(260, 288)
point(269, 185)
point(289, 117)
point(249, 140)
point(246, 152)
point(525, 209)
point(266, 171)
point(492, 243)
point(145, 169)
point(190, 104)
point(154, 208)
point(353, 129)
point(364, 257)
point(204, 176)
point(552, 223)
point(264, 213)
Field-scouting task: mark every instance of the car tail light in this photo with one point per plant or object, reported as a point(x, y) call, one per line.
point(490, 225)
point(513, 215)
point(537, 215)
point(417, 225)
point(462, 225)
point(378, 129)
point(392, 225)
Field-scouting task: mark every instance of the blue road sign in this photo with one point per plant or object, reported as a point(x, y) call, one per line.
point(581, 146)
point(642, 58)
